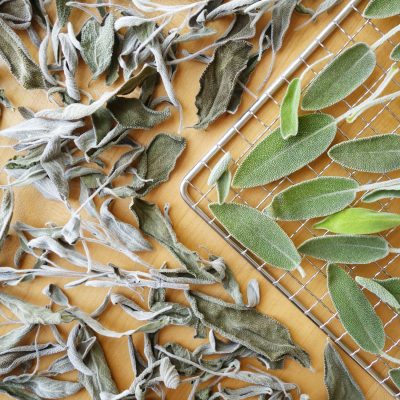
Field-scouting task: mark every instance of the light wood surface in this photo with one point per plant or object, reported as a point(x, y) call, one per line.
point(31, 208)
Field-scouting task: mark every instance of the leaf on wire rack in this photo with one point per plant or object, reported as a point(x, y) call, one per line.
point(274, 157)
point(223, 186)
point(355, 312)
point(395, 54)
point(379, 194)
point(380, 153)
point(377, 9)
point(260, 234)
point(18, 60)
point(387, 290)
point(395, 376)
point(258, 332)
point(219, 168)
point(341, 77)
point(218, 81)
point(316, 197)
point(346, 249)
point(289, 112)
point(339, 383)
point(97, 41)
point(359, 221)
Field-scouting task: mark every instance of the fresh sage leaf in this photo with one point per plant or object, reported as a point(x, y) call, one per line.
point(97, 42)
point(289, 114)
point(338, 381)
point(18, 60)
point(395, 54)
point(258, 332)
point(220, 167)
point(379, 194)
point(260, 234)
point(387, 290)
point(223, 186)
point(273, 158)
point(218, 81)
point(377, 9)
point(359, 221)
point(342, 76)
point(395, 376)
point(355, 312)
point(313, 198)
point(380, 153)
point(346, 249)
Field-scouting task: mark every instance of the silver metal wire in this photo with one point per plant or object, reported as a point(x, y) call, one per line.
point(310, 294)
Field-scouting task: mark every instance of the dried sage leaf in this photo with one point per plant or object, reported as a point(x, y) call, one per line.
point(6, 213)
point(338, 381)
point(346, 249)
point(97, 42)
point(260, 234)
point(18, 60)
point(380, 153)
point(313, 198)
point(387, 290)
point(63, 11)
point(159, 160)
point(13, 337)
point(355, 312)
point(258, 332)
point(223, 186)
point(289, 113)
point(274, 157)
point(341, 77)
point(17, 13)
point(220, 167)
point(382, 9)
point(218, 81)
point(133, 114)
point(359, 221)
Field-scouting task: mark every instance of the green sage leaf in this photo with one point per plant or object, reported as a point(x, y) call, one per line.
point(359, 221)
point(395, 376)
point(218, 81)
point(355, 312)
point(260, 234)
point(132, 113)
point(274, 157)
point(346, 249)
point(97, 42)
point(378, 194)
point(379, 153)
point(395, 54)
point(339, 383)
point(289, 109)
point(388, 290)
point(341, 77)
point(258, 332)
point(18, 60)
point(223, 186)
point(220, 167)
point(313, 198)
point(382, 9)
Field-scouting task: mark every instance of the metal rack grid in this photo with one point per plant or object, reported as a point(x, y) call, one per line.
point(310, 294)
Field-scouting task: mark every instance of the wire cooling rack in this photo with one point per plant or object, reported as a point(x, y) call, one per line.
point(310, 294)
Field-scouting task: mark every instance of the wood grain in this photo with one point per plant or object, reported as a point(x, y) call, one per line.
point(33, 209)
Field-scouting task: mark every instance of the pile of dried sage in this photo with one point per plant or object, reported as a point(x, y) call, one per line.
point(302, 139)
point(134, 48)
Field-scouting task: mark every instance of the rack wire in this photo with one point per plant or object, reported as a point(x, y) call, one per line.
point(310, 294)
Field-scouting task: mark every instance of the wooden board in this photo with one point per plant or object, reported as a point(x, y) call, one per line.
point(32, 209)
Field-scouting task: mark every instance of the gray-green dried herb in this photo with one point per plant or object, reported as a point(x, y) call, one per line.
point(274, 157)
point(381, 9)
point(355, 312)
point(253, 330)
point(378, 154)
point(338, 381)
point(395, 54)
point(6, 213)
point(340, 78)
